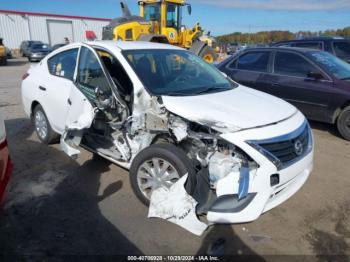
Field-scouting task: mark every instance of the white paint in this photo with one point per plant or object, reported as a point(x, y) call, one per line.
point(176, 206)
point(240, 108)
point(58, 30)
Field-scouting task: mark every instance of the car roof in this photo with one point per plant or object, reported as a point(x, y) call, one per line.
point(132, 45)
point(284, 48)
point(313, 39)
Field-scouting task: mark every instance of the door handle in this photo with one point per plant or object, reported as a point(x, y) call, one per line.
point(69, 101)
point(276, 84)
point(42, 88)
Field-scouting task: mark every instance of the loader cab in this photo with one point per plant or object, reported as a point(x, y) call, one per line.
point(167, 14)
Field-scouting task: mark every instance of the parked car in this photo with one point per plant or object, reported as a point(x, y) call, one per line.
point(38, 52)
point(162, 112)
point(8, 53)
point(316, 82)
point(56, 46)
point(5, 162)
point(24, 48)
point(337, 46)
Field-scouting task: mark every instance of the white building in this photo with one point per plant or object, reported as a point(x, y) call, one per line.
point(16, 27)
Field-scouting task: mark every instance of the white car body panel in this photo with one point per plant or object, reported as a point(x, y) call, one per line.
point(239, 115)
point(236, 109)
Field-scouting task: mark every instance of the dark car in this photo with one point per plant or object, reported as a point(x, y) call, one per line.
point(337, 46)
point(25, 47)
point(38, 52)
point(316, 82)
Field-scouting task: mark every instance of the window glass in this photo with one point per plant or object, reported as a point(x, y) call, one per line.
point(332, 64)
point(254, 61)
point(312, 45)
point(342, 48)
point(152, 12)
point(63, 64)
point(91, 75)
point(176, 73)
point(292, 65)
point(172, 16)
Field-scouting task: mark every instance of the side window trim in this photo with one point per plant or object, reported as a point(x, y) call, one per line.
point(327, 77)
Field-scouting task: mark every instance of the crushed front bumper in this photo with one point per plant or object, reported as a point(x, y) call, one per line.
point(263, 195)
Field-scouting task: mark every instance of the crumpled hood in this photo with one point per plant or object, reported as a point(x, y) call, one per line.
point(229, 111)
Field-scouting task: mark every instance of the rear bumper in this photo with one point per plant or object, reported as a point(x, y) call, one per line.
point(6, 168)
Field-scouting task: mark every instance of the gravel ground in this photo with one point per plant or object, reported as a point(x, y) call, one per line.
point(58, 206)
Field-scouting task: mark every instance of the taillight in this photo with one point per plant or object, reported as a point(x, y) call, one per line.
point(25, 76)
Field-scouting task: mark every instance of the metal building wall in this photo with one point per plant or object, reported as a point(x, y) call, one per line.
point(15, 28)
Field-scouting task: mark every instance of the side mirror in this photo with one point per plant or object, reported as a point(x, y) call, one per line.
point(314, 76)
point(189, 9)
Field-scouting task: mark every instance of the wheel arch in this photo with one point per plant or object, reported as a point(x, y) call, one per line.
point(338, 111)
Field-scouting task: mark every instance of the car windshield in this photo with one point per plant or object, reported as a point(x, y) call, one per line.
point(176, 73)
point(39, 46)
point(332, 64)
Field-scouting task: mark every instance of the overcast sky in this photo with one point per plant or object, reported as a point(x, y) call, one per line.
point(218, 16)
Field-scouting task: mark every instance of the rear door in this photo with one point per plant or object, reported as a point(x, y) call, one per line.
point(291, 82)
point(250, 69)
point(55, 86)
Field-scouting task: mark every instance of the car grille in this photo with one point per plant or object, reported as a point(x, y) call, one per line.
point(286, 150)
point(290, 149)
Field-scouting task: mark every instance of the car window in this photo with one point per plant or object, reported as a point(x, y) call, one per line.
point(176, 72)
point(331, 64)
point(291, 64)
point(312, 45)
point(342, 48)
point(254, 61)
point(63, 64)
point(91, 75)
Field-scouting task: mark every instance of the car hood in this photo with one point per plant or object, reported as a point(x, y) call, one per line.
point(230, 111)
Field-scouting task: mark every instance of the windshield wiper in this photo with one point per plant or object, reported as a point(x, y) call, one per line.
point(210, 89)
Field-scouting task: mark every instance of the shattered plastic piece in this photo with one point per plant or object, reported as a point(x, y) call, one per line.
point(243, 182)
point(176, 206)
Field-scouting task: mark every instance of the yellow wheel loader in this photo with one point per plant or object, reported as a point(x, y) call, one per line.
point(161, 21)
point(3, 55)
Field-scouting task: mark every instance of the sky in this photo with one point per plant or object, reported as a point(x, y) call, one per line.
point(217, 16)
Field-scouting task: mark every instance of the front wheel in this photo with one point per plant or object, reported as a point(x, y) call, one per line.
point(343, 123)
point(159, 165)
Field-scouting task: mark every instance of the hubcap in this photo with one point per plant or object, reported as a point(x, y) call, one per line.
point(41, 124)
point(155, 173)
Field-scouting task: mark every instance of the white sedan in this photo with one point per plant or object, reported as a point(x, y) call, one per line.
point(163, 113)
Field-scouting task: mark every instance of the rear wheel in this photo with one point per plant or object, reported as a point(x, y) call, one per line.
point(42, 126)
point(208, 54)
point(159, 165)
point(343, 123)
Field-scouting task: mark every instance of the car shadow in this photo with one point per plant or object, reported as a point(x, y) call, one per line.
point(52, 208)
point(221, 241)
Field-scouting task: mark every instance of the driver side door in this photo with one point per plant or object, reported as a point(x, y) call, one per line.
point(83, 101)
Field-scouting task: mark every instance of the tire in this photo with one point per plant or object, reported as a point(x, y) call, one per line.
point(29, 59)
point(208, 54)
point(169, 154)
point(42, 124)
point(343, 123)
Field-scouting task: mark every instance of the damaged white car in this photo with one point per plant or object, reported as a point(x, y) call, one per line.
point(163, 113)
